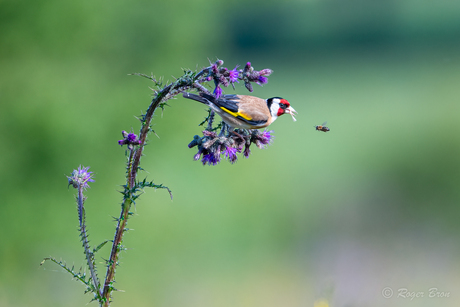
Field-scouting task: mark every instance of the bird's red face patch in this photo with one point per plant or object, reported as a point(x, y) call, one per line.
point(284, 104)
point(284, 101)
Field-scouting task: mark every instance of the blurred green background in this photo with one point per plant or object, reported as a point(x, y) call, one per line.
point(374, 203)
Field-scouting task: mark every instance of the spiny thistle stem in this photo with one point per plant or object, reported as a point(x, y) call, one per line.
point(186, 82)
point(116, 247)
point(84, 238)
point(122, 222)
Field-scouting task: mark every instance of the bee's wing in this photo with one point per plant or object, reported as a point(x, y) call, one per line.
point(324, 124)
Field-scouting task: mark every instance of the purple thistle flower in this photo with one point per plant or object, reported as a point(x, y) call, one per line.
point(217, 91)
point(262, 80)
point(210, 159)
point(247, 151)
point(80, 177)
point(206, 158)
point(129, 139)
point(197, 156)
point(132, 137)
point(267, 137)
point(230, 154)
point(262, 139)
point(233, 75)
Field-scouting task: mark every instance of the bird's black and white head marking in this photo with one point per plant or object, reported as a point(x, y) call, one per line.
point(279, 106)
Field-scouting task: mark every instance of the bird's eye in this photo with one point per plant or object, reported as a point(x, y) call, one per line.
point(282, 106)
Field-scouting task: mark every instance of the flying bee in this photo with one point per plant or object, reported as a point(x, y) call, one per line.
point(322, 127)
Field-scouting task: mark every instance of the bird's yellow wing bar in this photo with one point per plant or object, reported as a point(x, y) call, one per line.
point(236, 114)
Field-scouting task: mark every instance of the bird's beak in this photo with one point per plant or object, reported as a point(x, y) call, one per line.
point(292, 112)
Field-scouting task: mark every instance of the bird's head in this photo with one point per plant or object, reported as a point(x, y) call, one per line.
point(279, 106)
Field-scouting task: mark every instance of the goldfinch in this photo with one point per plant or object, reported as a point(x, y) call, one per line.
point(245, 112)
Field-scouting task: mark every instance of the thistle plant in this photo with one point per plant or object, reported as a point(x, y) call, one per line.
point(212, 148)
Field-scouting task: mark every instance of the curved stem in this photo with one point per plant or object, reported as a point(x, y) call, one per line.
point(186, 82)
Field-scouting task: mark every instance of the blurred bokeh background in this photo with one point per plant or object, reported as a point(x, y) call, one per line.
point(342, 215)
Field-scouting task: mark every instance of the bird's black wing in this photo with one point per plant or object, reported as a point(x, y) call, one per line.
point(229, 102)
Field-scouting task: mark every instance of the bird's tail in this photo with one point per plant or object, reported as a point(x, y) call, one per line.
point(198, 98)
